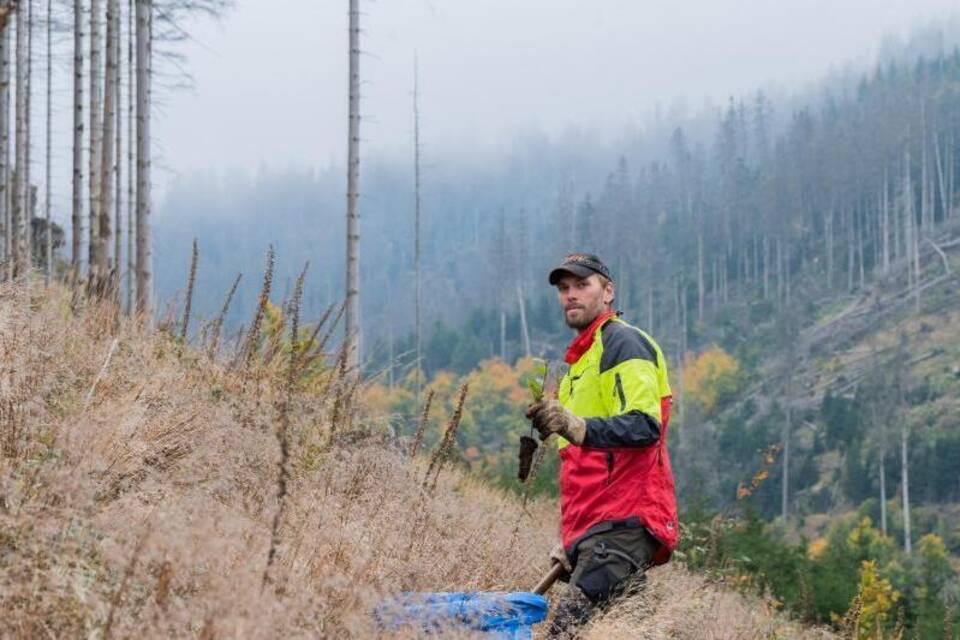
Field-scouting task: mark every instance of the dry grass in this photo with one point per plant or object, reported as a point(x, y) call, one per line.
point(679, 604)
point(146, 508)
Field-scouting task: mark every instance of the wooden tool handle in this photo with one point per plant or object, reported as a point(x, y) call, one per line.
point(547, 581)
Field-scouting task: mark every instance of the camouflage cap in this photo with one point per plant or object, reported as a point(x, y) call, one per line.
point(580, 265)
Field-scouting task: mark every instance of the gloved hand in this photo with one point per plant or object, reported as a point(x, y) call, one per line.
point(558, 555)
point(549, 416)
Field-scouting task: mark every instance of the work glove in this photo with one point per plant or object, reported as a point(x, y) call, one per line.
point(558, 555)
point(549, 416)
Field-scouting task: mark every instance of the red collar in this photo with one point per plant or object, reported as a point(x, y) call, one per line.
point(584, 339)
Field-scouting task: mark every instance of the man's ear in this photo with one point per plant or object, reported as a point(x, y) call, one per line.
point(609, 293)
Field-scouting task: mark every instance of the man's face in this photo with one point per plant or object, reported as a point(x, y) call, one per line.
point(583, 299)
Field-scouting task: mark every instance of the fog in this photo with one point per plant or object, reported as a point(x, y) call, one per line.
point(271, 76)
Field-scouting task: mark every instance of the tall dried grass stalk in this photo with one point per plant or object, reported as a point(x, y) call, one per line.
point(421, 425)
point(217, 328)
point(445, 447)
point(294, 312)
point(238, 343)
point(283, 424)
point(191, 279)
point(274, 342)
point(306, 358)
point(124, 583)
point(318, 348)
point(341, 394)
point(11, 419)
point(106, 363)
point(253, 333)
point(850, 626)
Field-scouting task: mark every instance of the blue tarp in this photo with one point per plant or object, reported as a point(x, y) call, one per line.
point(504, 616)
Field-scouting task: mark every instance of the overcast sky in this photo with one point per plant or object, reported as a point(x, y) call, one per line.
point(271, 77)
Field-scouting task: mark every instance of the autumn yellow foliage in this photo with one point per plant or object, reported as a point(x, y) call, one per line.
point(710, 377)
point(877, 597)
point(817, 548)
point(493, 415)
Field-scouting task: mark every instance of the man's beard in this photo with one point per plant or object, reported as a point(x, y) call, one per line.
point(584, 319)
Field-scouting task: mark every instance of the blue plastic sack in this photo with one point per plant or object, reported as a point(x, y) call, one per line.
point(499, 615)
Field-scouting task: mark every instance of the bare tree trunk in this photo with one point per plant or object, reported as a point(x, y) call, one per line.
point(950, 177)
point(625, 287)
point(679, 312)
point(503, 335)
point(107, 147)
point(19, 210)
point(905, 486)
point(353, 171)
point(861, 269)
point(786, 274)
point(683, 315)
point(524, 329)
point(701, 289)
point(77, 186)
point(896, 249)
point(144, 11)
point(883, 493)
point(48, 240)
point(5, 151)
point(941, 177)
point(28, 185)
point(925, 212)
point(116, 282)
point(908, 227)
point(785, 488)
point(851, 253)
point(912, 234)
point(650, 308)
point(779, 271)
point(830, 246)
point(725, 278)
point(96, 121)
point(390, 356)
point(885, 224)
point(131, 175)
point(417, 275)
point(766, 267)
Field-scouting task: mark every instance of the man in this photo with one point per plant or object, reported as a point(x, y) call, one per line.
point(617, 501)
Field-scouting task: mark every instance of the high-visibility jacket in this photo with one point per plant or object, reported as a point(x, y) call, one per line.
point(621, 475)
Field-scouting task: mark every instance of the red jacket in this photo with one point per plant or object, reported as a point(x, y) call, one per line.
point(621, 475)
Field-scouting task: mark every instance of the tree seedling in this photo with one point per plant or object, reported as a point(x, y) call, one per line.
point(528, 444)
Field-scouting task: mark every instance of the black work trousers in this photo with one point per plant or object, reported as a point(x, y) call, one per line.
point(608, 566)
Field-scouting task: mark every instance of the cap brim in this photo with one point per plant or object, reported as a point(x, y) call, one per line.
point(573, 269)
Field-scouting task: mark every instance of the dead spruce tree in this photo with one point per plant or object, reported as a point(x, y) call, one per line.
point(76, 208)
point(353, 174)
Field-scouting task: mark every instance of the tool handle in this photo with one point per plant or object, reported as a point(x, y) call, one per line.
point(547, 581)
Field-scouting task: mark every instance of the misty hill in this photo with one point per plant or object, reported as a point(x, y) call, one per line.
point(700, 201)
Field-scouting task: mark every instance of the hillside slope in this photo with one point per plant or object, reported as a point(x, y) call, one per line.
point(139, 489)
point(865, 367)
